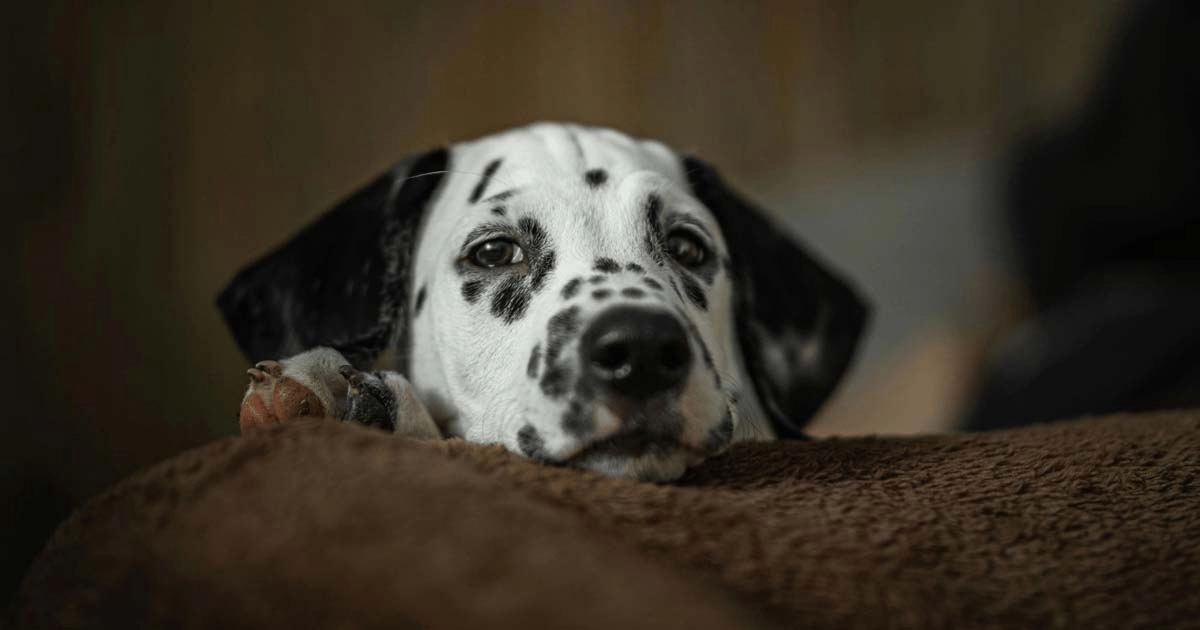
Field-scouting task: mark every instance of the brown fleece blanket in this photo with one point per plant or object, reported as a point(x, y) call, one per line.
point(314, 524)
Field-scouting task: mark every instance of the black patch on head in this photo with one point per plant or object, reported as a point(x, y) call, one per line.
point(488, 171)
point(571, 288)
point(534, 359)
point(720, 435)
point(540, 270)
point(634, 267)
point(542, 255)
point(596, 177)
point(560, 327)
point(499, 211)
point(531, 443)
point(596, 279)
point(420, 301)
point(694, 292)
point(533, 231)
point(633, 292)
point(601, 294)
point(652, 283)
point(606, 265)
point(559, 330)
point(554, 381)
point(511, 299)
point(576, 422)
point(471, 289)
point(654, 238)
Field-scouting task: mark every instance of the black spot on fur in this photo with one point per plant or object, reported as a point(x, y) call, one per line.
point(535, 234)
point(596, 177)
point(695, 293)
point(554, 381)
point(420, 301)
point(535, 358)
point(560, 327)
point(720, 435)
point(601, 294)
point(652, 283)
point(471, 290)
point(654, 239)
point(511, 300)
point(540, 270)
point(499, 211)
point(559, 330)
point(576, 422)
point(633, 292)
point(606, 265)
point(530, 442)
point(597, 279)
point(571, 288)
point(488, 171)
point(634, 267)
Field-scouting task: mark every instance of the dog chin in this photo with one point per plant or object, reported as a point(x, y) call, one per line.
point(655, 465)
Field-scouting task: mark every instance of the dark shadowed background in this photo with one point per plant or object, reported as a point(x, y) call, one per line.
point(151, 148)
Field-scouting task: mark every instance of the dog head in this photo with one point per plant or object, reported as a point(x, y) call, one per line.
point(572, 293)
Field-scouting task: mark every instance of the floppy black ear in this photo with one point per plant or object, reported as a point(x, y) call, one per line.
point(343, 280)
point(798, 323)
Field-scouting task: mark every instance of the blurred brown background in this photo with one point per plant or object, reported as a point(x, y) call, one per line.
point(151, 148)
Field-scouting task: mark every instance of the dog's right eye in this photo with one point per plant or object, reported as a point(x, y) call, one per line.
point(498, 252)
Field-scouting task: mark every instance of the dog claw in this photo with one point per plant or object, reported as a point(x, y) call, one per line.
point(274, 368)
point(306, 384)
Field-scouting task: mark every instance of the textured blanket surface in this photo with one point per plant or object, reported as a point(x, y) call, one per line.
point(1092, 523)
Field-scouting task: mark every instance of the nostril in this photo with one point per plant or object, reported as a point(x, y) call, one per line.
point(612, 356)
point(673, 355)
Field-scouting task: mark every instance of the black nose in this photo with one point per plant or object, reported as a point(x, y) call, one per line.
point(635, 353)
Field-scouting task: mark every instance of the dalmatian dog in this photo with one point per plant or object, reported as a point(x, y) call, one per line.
point(576, 295)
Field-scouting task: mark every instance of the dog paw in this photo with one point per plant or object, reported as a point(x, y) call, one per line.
point(386, 400)
point(308, 384)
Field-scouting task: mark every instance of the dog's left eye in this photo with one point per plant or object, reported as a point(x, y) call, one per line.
point(686, 248)
point(497, 252)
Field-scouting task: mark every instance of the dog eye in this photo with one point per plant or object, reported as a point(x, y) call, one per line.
point(686, 248)
point(497, 252)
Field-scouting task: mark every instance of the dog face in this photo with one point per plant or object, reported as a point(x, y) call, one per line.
point(571, 293)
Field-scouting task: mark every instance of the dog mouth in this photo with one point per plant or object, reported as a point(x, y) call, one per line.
point(627, 444)
point(645, 431)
